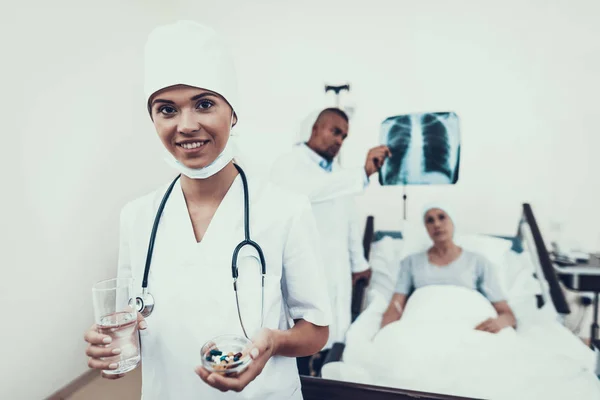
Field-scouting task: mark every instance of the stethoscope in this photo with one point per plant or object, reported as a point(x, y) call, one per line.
point(145, 302)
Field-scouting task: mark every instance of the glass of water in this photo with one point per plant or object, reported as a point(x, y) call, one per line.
point(116, 316)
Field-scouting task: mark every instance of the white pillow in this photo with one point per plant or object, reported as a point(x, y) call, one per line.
point(518, 275)
point(383, 252)
point(494, 249)
point(384, 260)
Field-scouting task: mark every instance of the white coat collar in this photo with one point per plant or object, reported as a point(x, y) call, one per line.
point(320, 161)
point(176, 232)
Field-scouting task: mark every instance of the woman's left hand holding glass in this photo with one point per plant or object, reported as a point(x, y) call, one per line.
point(263, 348)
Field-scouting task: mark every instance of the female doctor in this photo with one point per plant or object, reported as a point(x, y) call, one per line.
point(191, 96)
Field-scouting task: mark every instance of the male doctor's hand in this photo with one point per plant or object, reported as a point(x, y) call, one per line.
point(263, 348)
point(100, 347)
point(375, 159)
point(361, 275)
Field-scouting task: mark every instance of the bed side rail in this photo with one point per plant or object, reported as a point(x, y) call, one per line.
point(368, 236)
point(326, 389)
point(358, 295)
point(359, 289)
point(556, 293)
point(335, 353)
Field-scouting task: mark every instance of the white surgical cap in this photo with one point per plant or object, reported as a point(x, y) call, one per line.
point(440, 206)
point(188, 53)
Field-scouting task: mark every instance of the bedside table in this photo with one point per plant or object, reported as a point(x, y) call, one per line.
point(583, 278)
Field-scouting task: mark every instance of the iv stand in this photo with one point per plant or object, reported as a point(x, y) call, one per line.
point(337, 90)
point(404, 197)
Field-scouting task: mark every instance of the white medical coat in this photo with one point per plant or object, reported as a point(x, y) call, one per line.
point(192, 285)
point(332, 195)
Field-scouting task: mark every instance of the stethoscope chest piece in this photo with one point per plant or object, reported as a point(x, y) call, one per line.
point(145, 304)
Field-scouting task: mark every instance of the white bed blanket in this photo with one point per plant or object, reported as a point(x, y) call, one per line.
point(434, 348)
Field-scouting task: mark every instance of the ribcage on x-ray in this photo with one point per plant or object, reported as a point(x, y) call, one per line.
point(425, 149)
point(398, 142)
point(436, 147)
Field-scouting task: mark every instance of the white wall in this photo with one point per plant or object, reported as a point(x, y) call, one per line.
point(79, 143)
point(521, 75)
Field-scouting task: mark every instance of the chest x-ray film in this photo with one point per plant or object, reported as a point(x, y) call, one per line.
point(425, 149)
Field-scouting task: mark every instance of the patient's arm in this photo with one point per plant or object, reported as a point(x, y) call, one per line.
point(505, 314)
point(505, 319)
point(394, 310)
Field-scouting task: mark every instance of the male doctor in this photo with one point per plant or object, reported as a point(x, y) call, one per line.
point(309, 169)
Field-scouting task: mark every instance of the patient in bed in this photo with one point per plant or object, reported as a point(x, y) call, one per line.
point(445, 263)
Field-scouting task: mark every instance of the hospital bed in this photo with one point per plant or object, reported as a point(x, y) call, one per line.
point(548, 306)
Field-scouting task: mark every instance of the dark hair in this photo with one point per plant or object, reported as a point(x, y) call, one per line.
point(333, 110)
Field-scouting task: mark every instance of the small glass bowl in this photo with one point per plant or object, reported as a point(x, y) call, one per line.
point(227, 344)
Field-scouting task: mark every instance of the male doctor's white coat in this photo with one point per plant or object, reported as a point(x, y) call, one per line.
point(331, 191)
point(193, 287)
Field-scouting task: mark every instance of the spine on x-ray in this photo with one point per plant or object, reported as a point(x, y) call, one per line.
point(414, 162)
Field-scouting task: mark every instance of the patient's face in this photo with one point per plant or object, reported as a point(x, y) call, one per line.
point(439, 225)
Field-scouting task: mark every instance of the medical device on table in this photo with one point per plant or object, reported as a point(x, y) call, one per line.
point(145, 303)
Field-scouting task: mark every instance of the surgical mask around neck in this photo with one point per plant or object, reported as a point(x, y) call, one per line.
point(206, 172)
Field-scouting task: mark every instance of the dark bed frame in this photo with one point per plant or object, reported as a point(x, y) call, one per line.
point(326, 389)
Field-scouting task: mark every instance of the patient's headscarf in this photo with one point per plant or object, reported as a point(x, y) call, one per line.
point(443, 207)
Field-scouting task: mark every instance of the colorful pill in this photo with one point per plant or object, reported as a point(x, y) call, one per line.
point(215, 353)
point(235, 359)
point(238, 355)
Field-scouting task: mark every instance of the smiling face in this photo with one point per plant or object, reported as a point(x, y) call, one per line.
point(193, 124)
point(439, 225)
